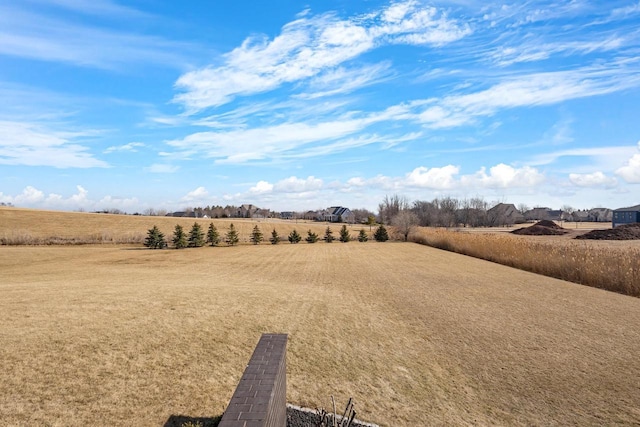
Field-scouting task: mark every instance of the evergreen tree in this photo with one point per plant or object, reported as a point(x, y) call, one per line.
point(344, 234)
point(232, 236)
point(328, 235)
point(294, 237)
point(362, 236)
point(196, 236)
point(274, 239)
point(256, 235)
point(155, 239)
point(311, 237)
point(381, 234)
point(213, 238)
point(179, 238)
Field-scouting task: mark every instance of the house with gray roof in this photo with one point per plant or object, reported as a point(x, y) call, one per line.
point(338, 214)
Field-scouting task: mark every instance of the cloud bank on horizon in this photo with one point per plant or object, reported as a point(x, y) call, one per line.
point(130, 107)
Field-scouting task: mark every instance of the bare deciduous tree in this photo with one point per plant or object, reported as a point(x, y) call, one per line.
point(391, 206)
point(404, 222)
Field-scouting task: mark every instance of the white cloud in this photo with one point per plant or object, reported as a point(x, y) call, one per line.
point(262, 187)
point(32, 144)
point(298, 185)
point(130, 147)
point(504, 176)
point(126, 204)
point(435, 178)
point(309, 46)
point(31, 197)
point(596, 179)
point(199, 193)
point(630, 172)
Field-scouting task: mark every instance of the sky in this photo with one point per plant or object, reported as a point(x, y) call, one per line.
point(292, 105)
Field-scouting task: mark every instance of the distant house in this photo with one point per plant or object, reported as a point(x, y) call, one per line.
point(337, 214)
point(628, 215)
point(247, 211)
point(504, 214)
point(537, 214)
point(183, 214)
point(312, 216)
point(286, 215)
point(580, 216)
point(559, 215)
point(600, 215)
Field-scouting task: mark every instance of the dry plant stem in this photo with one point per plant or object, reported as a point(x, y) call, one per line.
point(333, 402)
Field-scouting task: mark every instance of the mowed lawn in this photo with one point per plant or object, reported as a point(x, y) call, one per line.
point(114, 335)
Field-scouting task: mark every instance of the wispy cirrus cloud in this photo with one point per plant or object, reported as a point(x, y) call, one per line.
point(240, 144)
point(531, 90)
point(131, 147)
point(34, 144)
point(341, 80)
point(536, 51)
point(259, 143)
point(30, 33)
point(311, 45)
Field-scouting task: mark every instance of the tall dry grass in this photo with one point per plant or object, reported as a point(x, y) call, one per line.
point(612, 268)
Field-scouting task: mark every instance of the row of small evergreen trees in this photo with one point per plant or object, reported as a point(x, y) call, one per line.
point(197, 237)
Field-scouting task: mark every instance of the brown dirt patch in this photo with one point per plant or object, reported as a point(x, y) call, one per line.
point(622, 232)
point(541, 228)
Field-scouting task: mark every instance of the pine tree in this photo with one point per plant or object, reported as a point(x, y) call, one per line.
point(344, 234)
point(294, 237)
point(155, 239)
point(362, 236)
point(196, 236)
point(232, 236)
point(256, 235)
point(328, 235)
point(213, 238)
point(311, 237)
point(274, 239)
point(179, 238)
point(381, 234)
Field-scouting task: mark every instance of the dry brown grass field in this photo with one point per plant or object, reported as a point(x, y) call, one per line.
point(120, 335)
point(28, 226)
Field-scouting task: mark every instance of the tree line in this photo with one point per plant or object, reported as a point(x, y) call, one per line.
point(197, 237)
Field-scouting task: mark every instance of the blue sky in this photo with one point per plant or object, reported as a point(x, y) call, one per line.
point(291, 106)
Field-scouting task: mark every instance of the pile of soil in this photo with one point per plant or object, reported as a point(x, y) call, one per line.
point(541, 228)
point(621, 232)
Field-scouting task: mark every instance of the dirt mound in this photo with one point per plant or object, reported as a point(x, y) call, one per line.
point(541, 228)
point(621, 232)
point(548, 224)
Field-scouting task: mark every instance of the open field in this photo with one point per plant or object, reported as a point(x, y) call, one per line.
point(113, 335)
point(28, 226)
